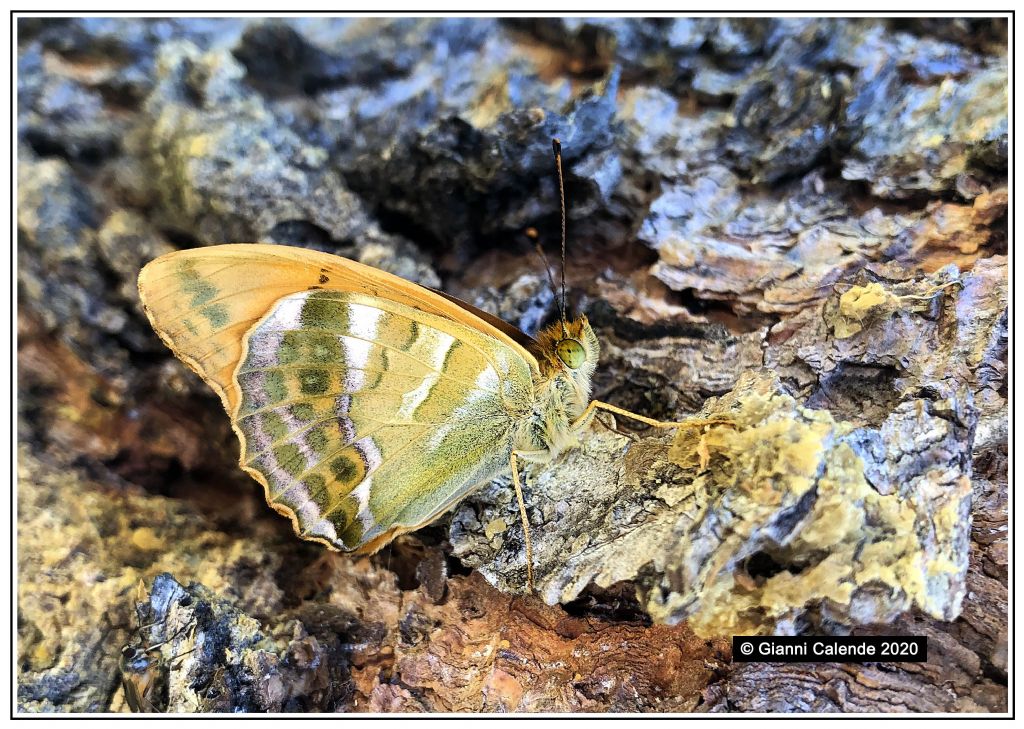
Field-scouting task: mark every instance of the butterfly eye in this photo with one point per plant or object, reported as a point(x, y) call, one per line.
point(571, 353)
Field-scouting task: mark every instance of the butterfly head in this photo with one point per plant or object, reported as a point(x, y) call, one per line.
point(568, 349)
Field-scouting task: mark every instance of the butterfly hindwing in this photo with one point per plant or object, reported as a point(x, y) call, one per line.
point(364, 417)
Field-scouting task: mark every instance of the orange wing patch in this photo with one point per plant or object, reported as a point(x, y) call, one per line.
point(202, 302)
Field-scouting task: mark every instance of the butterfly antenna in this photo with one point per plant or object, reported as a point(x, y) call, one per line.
point(531, 233)
point(556, 147)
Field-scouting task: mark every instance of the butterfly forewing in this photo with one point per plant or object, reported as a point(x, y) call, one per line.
point(203, 302)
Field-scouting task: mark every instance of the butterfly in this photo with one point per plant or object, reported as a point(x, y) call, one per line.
point(367, 405)
point(143, 667)
point(142, 676)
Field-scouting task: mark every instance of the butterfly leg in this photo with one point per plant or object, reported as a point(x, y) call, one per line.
point(615, 429)
point(599, 405)
point(513, 462)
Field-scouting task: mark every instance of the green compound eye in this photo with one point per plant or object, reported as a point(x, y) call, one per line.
point(571, 353)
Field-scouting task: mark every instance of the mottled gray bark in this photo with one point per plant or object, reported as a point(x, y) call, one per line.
point(797, 225)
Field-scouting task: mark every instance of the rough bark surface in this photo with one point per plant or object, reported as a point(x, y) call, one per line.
point(794, 228)
point(777, 520)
